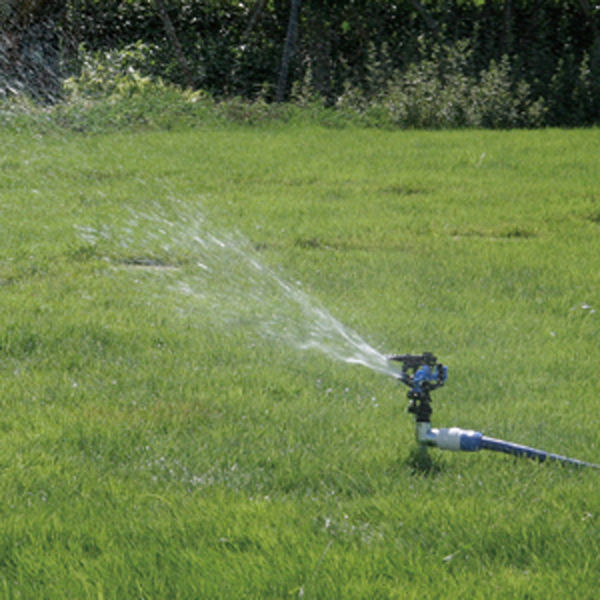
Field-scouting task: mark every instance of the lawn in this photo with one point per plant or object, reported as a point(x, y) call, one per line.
point(166, 433)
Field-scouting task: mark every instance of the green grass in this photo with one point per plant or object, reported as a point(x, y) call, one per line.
point(150, 449)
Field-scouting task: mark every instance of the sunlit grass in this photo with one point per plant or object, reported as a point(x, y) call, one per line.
point(151, 449)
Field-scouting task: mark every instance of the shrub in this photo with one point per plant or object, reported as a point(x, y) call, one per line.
point(496, 102)
point(440, 90)
point(113, 91)
point(110, 74)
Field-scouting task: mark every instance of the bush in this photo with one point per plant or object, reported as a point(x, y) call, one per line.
point(110, 92)
point(496, 102)
point(441, 91)
point(114, 90)
point(111, 74)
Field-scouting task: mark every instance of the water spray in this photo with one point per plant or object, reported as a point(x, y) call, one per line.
point(237, 288)
point(423, 374)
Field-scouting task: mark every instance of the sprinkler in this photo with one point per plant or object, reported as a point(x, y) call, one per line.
point(423, 374)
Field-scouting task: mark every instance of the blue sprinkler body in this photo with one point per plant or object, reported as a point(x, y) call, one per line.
point(422, 374)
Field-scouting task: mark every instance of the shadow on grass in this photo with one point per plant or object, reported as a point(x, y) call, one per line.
point(420, 462)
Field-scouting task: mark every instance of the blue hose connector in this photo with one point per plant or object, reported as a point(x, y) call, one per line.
point(455, 438)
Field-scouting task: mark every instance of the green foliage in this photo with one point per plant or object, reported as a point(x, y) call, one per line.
point(233, 49)
point(575, 89)
point(440, 91)
point(111, 75)
point(497, 102)
point(112, 91)
point(115, 90)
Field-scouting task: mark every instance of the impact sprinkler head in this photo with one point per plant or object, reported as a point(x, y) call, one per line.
point(422, 374)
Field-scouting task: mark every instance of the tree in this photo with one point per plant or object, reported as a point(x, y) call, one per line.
point(174, 40)
point(288, 50)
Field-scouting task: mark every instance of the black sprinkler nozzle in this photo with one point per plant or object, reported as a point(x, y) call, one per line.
point(414, 361)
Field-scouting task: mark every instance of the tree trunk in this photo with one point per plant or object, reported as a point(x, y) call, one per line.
point(172, 36)
point(259, 7)
point(288, 50)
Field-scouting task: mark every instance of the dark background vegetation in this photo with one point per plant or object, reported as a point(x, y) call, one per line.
point(544, 51)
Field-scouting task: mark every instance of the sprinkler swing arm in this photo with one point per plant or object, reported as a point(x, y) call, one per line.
point(422, 373)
